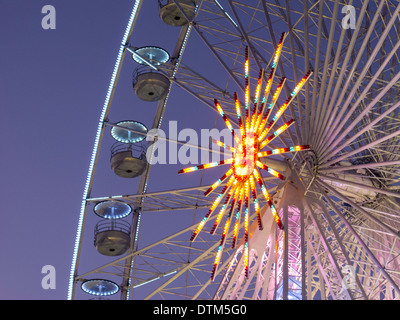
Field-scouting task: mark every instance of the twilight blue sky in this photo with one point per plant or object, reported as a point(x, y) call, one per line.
point(52, 89)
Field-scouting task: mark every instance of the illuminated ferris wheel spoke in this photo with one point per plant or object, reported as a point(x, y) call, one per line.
point(278, 51)
point(224, 233)
point(273, 71)
point(205, 166)
point(246, 230)
point(213, 207)
point(265, 193)
point(275, 61)
point(237, 217)
point(227, 122)
point(223, 208)
point(254, 113)
point(255, 202)
point(283, 150)
point(218, 182)
point(239, 115)
point(223, 145)
point(264, 115)
point(269, 85)
point(282, 109)
point(247, 90)
point(270, 170)
point(276, 133)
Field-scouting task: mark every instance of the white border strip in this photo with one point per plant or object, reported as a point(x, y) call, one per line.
point(96, 147)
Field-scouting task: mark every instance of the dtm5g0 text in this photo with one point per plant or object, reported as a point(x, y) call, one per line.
point(221, 309)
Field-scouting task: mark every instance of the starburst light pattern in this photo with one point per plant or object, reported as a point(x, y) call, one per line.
point(256, 132)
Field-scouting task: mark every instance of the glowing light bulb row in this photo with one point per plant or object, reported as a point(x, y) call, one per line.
point(283, 150)
point(222, 211)
point(239, 115)
point(268, 85)
point(270, 80)
point(270, 170)
point(227, 122)
point(275, 215)
point(299, 148)
point(278, 90)
point(301, 83)
point(238, 213)
point(258, 87)
point(224, 233)
point(246, 62)
point(220, 248)
point(213, 207)
point(263, 188)
point(256, 100)
point(199, 227)
point(219, 217)
point(273, 67)
point(223, 145)
point(246, 245)
point(255, 202)
point(276, 133)
point(246, 230)
point(205, 166)
point(267, 197)
point(268, 88)
point(218, 182)
point(282, 109)
point(247, 88)
point(278, 50)
point(290, 98)
point(236, 228)
point(261, 123)
point(237, 106)
point(216, 261)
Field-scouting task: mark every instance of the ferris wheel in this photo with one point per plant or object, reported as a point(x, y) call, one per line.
point(305, 204)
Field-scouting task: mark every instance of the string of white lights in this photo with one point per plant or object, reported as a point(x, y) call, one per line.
point(106, 106)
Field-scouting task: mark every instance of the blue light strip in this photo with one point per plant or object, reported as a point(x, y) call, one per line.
point(96, 147)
